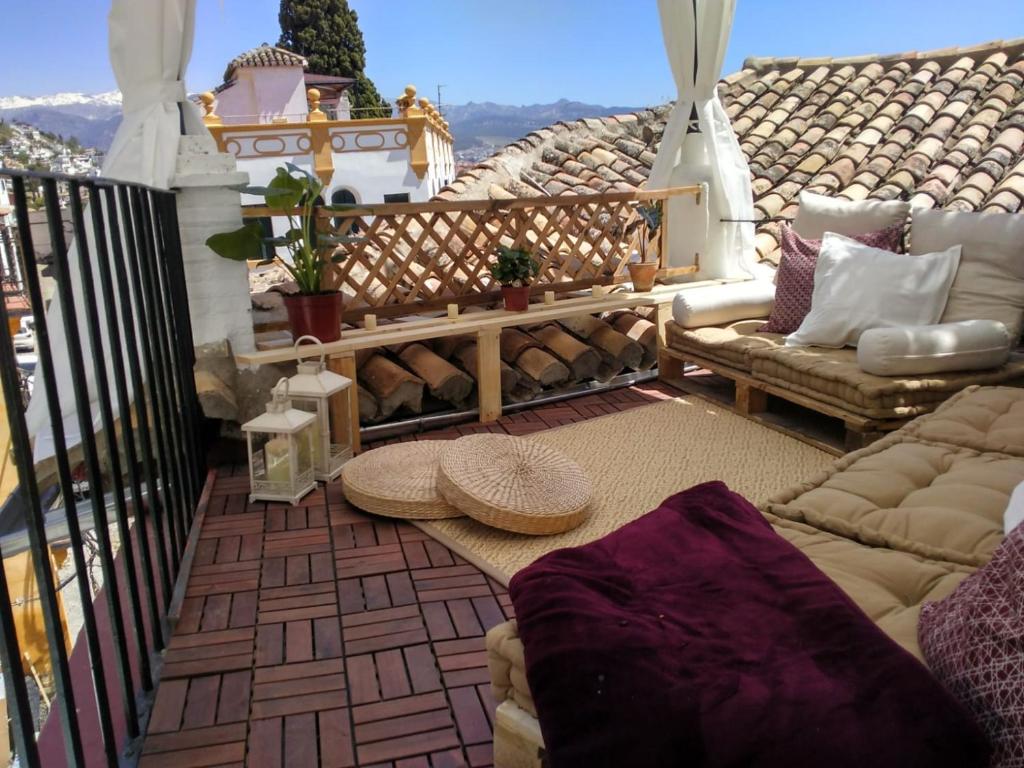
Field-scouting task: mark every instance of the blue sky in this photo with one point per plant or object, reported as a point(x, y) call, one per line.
point(509, 51)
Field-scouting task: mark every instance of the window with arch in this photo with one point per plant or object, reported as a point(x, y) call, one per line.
point(342, 196)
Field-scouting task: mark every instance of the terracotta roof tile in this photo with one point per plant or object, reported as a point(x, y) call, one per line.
point(264, 56)
point(940, 128)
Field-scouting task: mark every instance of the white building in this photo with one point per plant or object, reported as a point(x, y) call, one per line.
point(267, 113)
point(10, 267)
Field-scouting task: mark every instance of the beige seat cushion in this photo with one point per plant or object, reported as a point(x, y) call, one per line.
point(929, 499)
point(833, 376)
point(729, 344)
point(506, 662)
point(983, 419)
point(890, 587)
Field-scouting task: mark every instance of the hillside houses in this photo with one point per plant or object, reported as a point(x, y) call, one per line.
point(24, 146)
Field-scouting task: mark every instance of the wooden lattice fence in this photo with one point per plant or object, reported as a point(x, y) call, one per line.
point(420, 256)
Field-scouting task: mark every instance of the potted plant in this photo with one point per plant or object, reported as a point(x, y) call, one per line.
point(294, 192)
point(515, 270)
point(643, 272)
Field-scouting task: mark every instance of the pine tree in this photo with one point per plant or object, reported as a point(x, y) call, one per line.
point(327, 33)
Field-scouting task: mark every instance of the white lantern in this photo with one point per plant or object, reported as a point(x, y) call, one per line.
point(311, 389)
point(280, 444)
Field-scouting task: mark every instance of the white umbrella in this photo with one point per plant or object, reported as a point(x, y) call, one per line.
point(696, 35)
point(150, 45)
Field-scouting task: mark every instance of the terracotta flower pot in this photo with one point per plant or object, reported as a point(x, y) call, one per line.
point(315, 315)
point(642, 275)
point(516, 298)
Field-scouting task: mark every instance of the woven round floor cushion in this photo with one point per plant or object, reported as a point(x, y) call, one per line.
point(514, 484)
point(398, 481)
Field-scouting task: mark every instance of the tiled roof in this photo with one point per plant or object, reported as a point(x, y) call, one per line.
point(264, 56)
point(942, 129)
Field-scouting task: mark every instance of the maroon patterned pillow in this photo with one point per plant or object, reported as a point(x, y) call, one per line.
point(794, 282)
point(974, 643)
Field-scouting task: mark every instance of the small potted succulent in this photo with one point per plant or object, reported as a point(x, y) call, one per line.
point(294, 192)
point(643, 272)
point(515, 270)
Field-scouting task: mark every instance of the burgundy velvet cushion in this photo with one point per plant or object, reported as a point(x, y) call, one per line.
point(697, 636)
point(794, 282)
point(974, 642)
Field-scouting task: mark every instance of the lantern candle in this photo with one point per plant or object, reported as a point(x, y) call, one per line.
point(453, 311)
point(549, 297)
point(370, 322)
point(281, 469)
point(277, 460)
point(312, 388)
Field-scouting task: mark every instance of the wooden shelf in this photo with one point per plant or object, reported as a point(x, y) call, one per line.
point(486, 325)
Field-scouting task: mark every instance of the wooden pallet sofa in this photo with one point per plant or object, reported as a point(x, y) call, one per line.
point(719, 328)
point(828, 381)
point(895, 525)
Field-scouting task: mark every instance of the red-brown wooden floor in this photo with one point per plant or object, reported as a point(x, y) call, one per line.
point(319, 635)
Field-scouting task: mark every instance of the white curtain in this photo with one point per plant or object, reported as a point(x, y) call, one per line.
point(696, 35)
point(150, 45)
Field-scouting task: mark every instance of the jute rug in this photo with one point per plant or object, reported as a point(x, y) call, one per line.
point(636, 459)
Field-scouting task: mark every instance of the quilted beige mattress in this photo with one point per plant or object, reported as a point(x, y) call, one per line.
point(937, 488)
point(728, 345)
point(895, 525)
point(833, 376)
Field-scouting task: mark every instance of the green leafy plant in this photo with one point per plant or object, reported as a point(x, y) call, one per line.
point(293, 192)
point(514, 268)
point(649, 222)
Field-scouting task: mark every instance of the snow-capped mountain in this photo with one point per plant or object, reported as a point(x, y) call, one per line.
point(90, 118)
point(108, 99)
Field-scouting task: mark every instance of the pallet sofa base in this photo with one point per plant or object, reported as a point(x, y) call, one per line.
point(752, 397)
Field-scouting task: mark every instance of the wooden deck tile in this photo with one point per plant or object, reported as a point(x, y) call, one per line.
point(317, 635)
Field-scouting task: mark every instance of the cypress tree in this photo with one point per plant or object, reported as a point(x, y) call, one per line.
point(327, 33)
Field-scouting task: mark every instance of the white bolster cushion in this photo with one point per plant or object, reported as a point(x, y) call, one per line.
point(905, 350)
point(717, 304)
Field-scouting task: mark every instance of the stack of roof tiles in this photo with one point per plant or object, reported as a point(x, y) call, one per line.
point(942, 129)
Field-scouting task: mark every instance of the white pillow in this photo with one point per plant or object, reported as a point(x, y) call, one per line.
point(1014, 510)
point(717, 304)
point(819, 214)
point(913, 350)
point(857, 287)
point(990, 282)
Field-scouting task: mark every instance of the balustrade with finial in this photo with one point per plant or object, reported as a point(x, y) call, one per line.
point(209, 102)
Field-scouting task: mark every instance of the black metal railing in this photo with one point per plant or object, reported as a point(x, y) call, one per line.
point(122, 485)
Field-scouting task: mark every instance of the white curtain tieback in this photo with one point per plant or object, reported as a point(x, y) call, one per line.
point(145, 95)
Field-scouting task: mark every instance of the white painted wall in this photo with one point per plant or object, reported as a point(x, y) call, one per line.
point(369, 174)
point(261, 94)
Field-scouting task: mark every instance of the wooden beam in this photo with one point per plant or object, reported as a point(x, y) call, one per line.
point(488, 366)
point(750, 399)
point(345, 415)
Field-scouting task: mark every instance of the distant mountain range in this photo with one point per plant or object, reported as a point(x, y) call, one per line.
point(487, 124)
point(483, 126)
point(92, 119)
